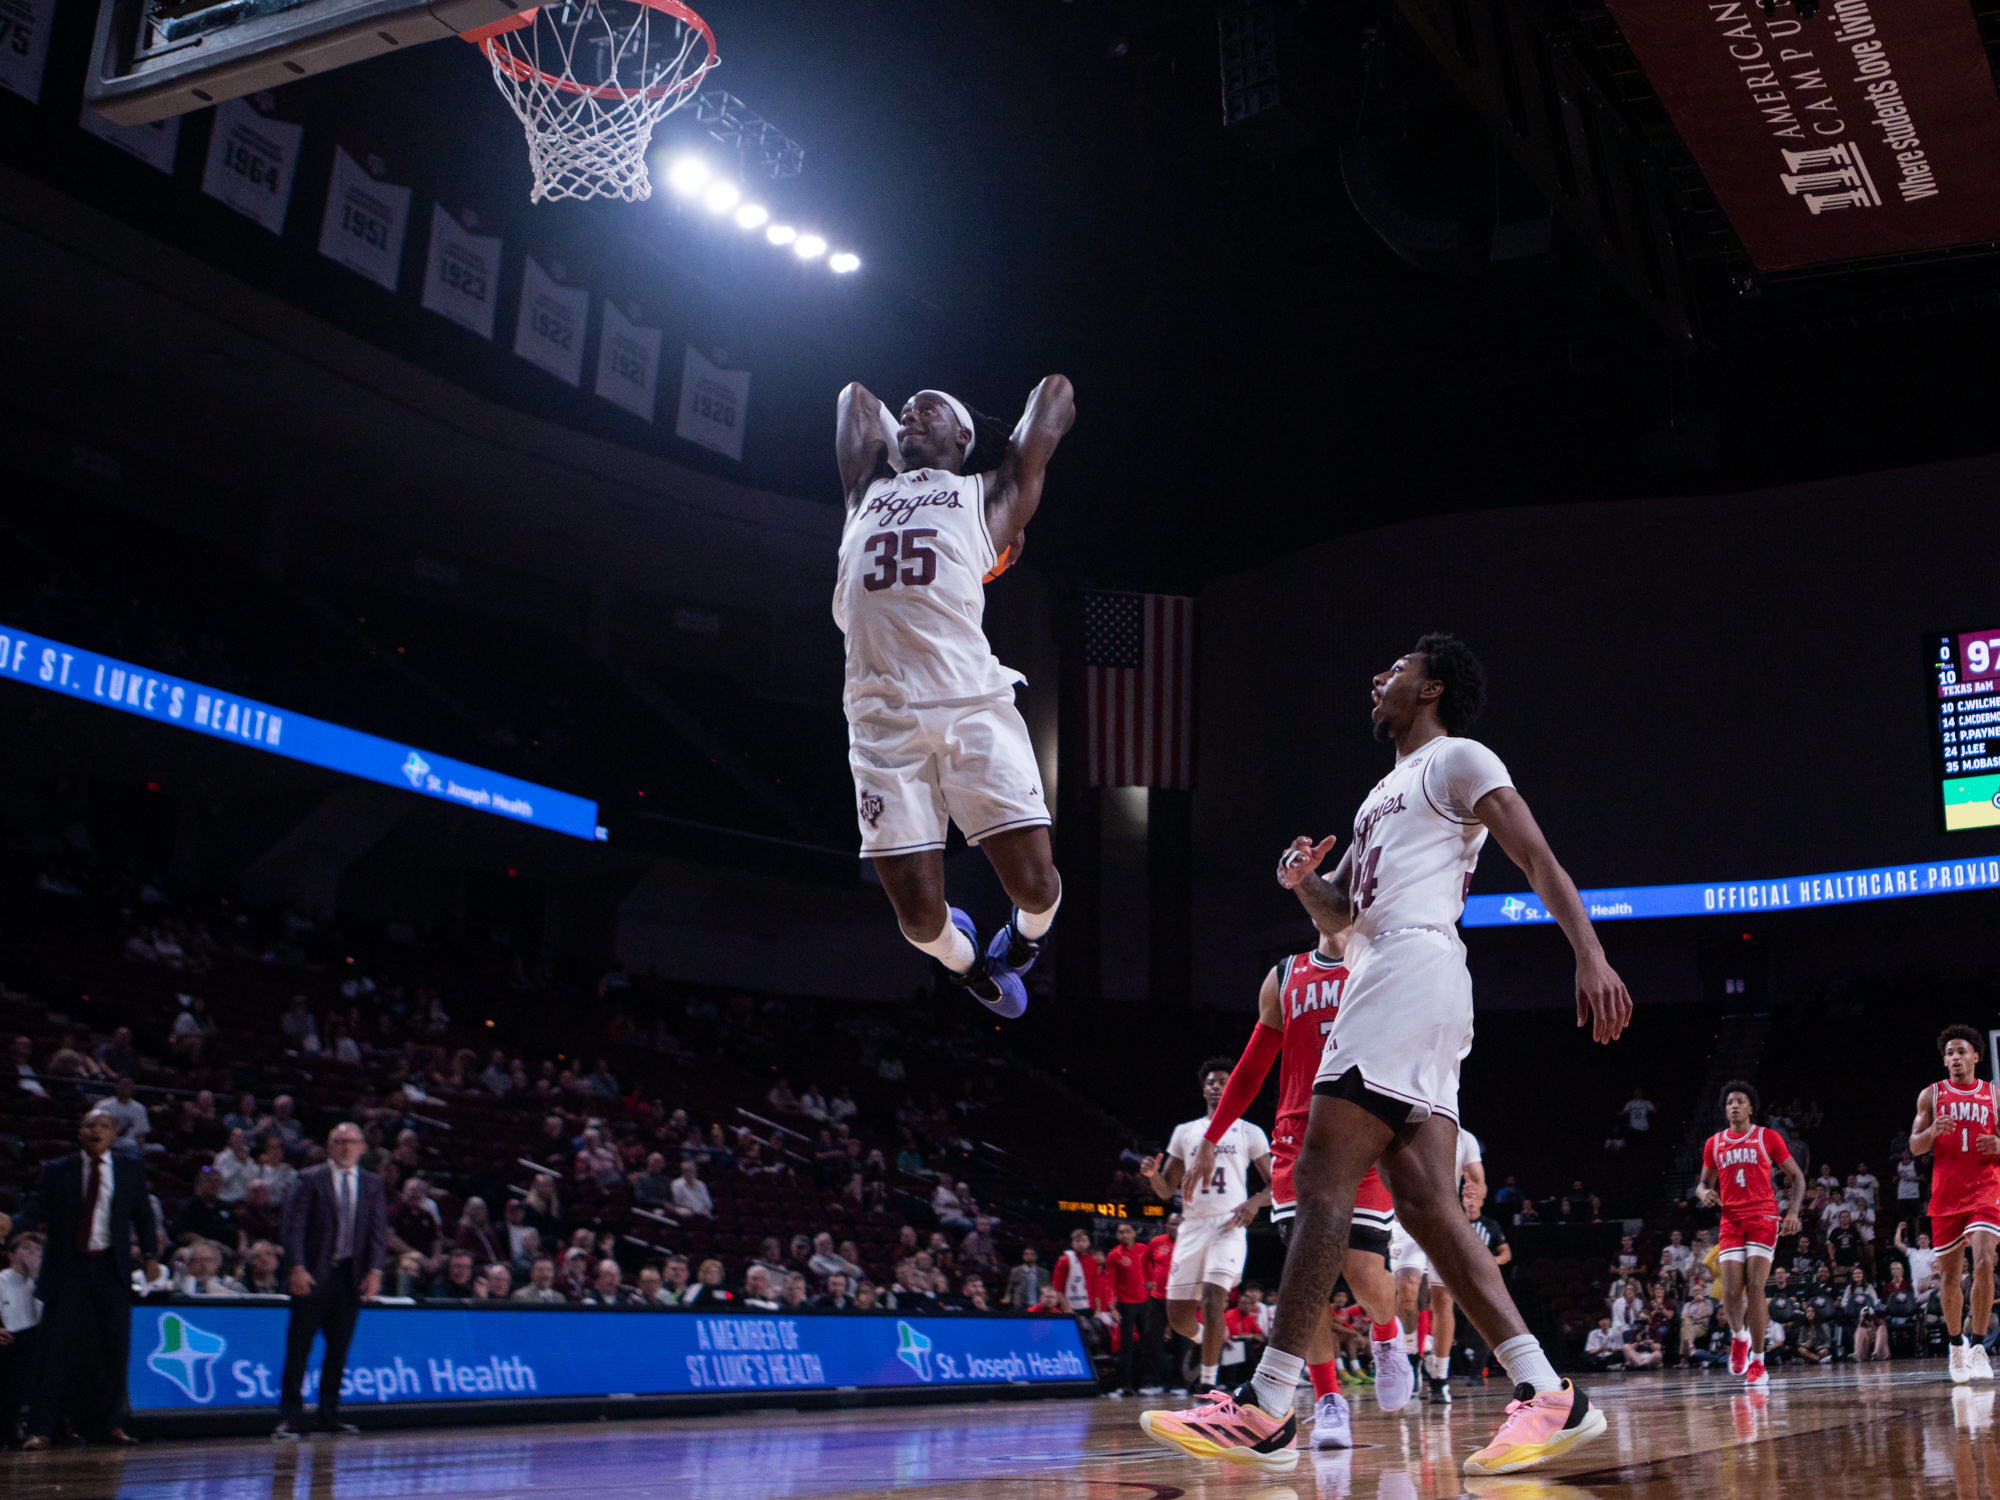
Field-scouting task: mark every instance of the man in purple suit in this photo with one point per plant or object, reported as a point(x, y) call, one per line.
point(336, 1236)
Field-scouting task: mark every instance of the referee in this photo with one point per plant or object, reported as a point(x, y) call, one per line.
point(1494, 1238)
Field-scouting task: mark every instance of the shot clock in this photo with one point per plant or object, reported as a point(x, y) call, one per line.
point(1967, 668)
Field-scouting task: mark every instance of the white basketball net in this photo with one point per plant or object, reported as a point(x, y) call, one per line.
point(589, 80)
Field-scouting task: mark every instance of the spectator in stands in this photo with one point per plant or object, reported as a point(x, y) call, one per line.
point(653, 1188)
point(244, 1117)
point(1900, 1307)
point(829, 1160)
point(524, 1241)
point(911, 1291)
point(405, 1276)
point(256, 1216)
point(951, 1209)
point(1909, 1189)
point(497, 1080)
point(284, 1124)
point(475, 1233)
point(118, 1057)
point(1805, 1260)
point(260, 1269)
point(1783, 1302)
point(836, 1297)
point(1025, 1281)
point(1843, 1244)
point(134, 1123)
point(26, 1080)
point(977, 1252)
point(602, 1082)
point(708, 1290)
point(1815, 1344)
point(1922, 1260)
point(607, 1287)
point(689, 1194)
point(782, 1099)
point(541, 1285)
point(456, 1281)
point(495, 1283)
point(674, 1282)
point(1626, 1261)
point(1822, 1298)
point(205, 1215)
point(574, 1272)
point(793, 1294)
point(1602, 1350)
point(235, 1169)
point(597, 1162)
point(413, 1223)
point(758, 1294)
point(826, 1262)
point(298, 1025)
point(277, 1175)
point(201, 1273)
point(542, 1210)
point(909, 1158)
point(1697, 1322)
point(866, 1297)
point(1861, 1318)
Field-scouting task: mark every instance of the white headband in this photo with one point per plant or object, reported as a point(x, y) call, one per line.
point(964, 414)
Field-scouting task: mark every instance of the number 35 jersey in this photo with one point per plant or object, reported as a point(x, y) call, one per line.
point(1416, 838)
point(909, 597)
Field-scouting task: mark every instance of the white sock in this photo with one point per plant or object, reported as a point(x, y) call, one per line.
point(1277, 1381)
point(1034, 925)
point(1438, 1367)
point(951, 948)
point(1525, 1363)
point(1741, 1335)
point(1208, 1374)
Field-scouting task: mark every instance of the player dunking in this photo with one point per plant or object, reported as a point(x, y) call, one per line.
point(1736, 1166)
point(1955, 1123)
point(1387, 1084)
point(1296, 1006)
point(932, 731)
point(1216, 1208)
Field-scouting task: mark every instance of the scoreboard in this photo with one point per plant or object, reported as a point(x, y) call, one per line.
point(1967, 667)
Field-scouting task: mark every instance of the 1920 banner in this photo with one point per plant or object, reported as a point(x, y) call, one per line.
point(217, 1354)
point(1866, 129)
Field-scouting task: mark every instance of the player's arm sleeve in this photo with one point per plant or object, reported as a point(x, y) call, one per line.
point(1248, 1076)
point(1464, 772)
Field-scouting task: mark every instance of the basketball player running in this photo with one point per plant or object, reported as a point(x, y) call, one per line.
point(1955, 1123)
point(1412, 1269)
point(932, 731)
point(1387, 1085)
point(1215, 1212)
point(1736, 1166)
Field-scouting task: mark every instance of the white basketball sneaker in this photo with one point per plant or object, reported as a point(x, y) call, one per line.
point(1333, 1427)
point(1395, 1376)
point(1960, 1363)
point(1982, 1367)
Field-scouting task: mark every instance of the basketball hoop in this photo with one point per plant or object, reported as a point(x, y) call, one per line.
point(589, 80)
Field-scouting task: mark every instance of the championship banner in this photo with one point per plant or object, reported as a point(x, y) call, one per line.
point(1871, 129)
point(153, 144)
point(628, 363)
point(251, 157)
point(714, 403)
point(24, 45)
point(462, 272)
point(218, 1353)
point(549, 331)
point(365, 219)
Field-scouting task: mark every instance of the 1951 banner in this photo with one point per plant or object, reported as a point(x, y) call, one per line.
point(1871, 128)
point(216, 1353)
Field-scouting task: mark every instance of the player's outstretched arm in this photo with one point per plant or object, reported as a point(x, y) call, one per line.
point(1325, 897)
point(1015, 490)
point(1164, 1180)
point(1601, 997)
point(864, 439)
point(1924, 1129)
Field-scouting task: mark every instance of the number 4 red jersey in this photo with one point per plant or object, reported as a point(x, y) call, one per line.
point(1743, 1165)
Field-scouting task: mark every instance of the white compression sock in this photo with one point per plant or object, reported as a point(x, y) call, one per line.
point(1208, 1374)
point(1034, 925)
point(1277, 1381)
point(1525, 1363)
point(951, 948)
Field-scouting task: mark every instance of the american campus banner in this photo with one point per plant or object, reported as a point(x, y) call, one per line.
point(219, 1353)
point(1869, 128)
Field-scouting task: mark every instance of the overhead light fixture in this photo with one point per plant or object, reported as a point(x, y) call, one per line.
point(781, 234)
point(844, 262)
point(750, 215)
point(722, 197)
point(809, 247)
point(688, 175)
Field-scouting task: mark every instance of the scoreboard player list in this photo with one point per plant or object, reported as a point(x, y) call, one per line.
point(1967, 665)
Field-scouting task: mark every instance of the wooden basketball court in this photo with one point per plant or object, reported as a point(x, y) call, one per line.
point(1879, 1433)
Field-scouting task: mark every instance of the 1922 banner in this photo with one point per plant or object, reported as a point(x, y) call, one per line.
point(1871, 128)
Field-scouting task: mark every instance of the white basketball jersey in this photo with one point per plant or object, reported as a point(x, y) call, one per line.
point(909, 595)
point(1416, 839)
point(1228, 1186)
point(1468, 1152)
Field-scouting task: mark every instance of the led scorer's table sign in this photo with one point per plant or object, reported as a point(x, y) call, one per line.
point(178, 703)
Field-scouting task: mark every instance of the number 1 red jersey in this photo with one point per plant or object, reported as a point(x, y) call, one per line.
point(1962, 1179)
point(1743, 1166)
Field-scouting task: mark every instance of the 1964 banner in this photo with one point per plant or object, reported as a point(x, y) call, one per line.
point(1871, 128)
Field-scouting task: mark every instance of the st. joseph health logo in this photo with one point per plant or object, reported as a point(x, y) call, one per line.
point(186, 1357)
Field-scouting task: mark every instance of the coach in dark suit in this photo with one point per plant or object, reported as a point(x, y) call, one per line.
point(336, 1236)
point(89, 1205)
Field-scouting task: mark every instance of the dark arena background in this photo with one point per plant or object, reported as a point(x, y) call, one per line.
point(423, 715)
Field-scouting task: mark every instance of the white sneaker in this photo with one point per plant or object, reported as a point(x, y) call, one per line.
point(1395, 1376)
point(1961, 1363)
point(1332, 1426)
point(1982, 1367)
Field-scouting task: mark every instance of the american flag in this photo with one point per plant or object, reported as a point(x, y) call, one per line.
point(1138, 657)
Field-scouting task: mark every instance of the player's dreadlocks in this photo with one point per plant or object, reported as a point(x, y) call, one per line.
point(1450, 661)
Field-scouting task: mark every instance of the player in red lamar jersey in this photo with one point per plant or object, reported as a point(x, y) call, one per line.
point(1736, 1167)
point(1295, 1010)
point(1955, 1123)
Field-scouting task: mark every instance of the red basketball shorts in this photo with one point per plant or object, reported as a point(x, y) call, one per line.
point(1948, 1230)
point(1747, 1234)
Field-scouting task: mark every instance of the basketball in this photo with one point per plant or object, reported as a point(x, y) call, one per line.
point(1009, 555)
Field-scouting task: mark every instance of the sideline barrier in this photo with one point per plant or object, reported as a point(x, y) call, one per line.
point(192, 1356)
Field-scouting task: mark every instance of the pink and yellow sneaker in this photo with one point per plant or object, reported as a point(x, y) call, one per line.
point(1538, 1428)
point(1232, 1428)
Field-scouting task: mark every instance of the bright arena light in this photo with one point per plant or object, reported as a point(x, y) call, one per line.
point(688, 175)
point(809, 246)
point(722, 197)
point(750, 215)
point(781, 234)
point(843, 262)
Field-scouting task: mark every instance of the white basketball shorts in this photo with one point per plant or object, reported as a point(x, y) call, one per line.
point(1405, 1019)
point(915, 767)
point(1405, 1254)
point(1207, 1252)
